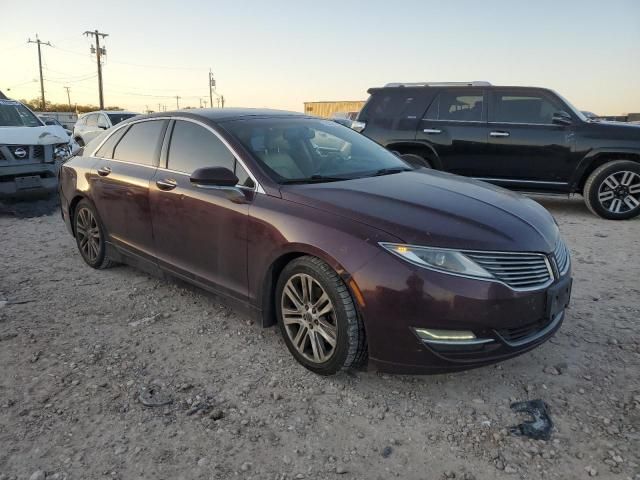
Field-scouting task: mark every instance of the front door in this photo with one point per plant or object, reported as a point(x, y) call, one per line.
point(525, 147)
point(455, 126)
point(121, 185)
point(201, 232)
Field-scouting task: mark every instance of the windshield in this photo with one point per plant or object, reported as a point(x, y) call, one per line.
point(299, 150)
point(119, 117)
point(14, 114)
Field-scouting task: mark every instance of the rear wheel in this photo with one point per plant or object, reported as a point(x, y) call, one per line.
point(90, 236)
point(415, 160)
point(318, 318)
point(79, 141)
point(612, 191)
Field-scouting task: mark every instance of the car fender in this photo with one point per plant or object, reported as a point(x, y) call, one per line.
point(593, 156)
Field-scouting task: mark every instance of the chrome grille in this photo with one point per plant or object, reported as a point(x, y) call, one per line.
point(518, 270)
point(562, 257)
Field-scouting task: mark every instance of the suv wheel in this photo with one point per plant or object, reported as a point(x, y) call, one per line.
point(90, 236)
point(415, 160)
point(318, 318)
point(612, 191)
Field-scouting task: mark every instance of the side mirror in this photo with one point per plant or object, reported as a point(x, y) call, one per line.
point(561, 118)
point(214, 176)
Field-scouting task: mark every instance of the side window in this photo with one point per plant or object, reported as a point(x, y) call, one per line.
point(193, 146)
point(243, 177)
point(432, 111)
point(92, 120)
point(461, 106)
point(82, 121)
point(102, 120)
point(390, 109)
point(510, 108)
point(141, 143)
point(106, 150)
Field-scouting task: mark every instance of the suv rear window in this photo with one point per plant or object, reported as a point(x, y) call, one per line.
point(388, 107)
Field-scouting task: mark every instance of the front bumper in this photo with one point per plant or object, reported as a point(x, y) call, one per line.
point(25, 180)
point(399, 297)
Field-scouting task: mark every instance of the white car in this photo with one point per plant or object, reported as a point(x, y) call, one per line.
point(92, 124)
point(30, 151)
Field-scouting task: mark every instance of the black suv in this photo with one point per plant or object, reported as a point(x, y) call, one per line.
point(525, 138)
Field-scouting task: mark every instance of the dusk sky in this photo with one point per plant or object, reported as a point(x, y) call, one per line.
point(282, 53)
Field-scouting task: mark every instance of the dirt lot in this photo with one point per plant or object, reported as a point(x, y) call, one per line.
point(77, 346)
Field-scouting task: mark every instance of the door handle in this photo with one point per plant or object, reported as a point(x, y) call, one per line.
point(499, 134)
point(433, 131)
point(166, 184)
point(104, 171)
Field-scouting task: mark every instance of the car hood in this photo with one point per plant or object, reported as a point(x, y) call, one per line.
point(45, 135)
point(615, 130)
point(427, 207)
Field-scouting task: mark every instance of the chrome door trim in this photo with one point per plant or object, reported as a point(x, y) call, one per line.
point(542, 182)
point(258, 188)
point(499, 134)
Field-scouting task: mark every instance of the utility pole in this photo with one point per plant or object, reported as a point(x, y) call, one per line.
point(212, 84)
point(222, 100)
point(200, 100)
point(177, 104)
point(40, 42)
point(68, 96)
point(205, 104)
point(159, 108)
point(99, 52)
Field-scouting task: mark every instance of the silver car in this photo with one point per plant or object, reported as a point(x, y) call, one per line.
point(92, 124)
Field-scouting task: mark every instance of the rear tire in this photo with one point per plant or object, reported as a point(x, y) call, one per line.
point(79, 141)
point(416, 160)
point(318, 318)
point(90, 236)
point(612, 191)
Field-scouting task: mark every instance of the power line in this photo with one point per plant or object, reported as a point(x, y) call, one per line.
point(39, 42)
point(99, 52)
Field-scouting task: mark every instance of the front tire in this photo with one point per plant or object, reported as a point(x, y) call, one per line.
point(90, 236)
point(612, 191)
point(318, 318)
point(416, 160)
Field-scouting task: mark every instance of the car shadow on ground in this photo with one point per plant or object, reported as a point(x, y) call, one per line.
point(36, 205)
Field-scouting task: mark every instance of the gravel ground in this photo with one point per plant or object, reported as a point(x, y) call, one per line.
point(78, 346)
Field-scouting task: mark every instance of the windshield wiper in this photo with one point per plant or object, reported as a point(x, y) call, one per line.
point(390, 171)
point(312, 179)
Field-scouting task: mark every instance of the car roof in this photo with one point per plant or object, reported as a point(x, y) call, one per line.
point(417, 88)
point(110, 111)
point(225, 114)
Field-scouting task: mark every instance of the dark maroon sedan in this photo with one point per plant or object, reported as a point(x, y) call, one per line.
point(315, 227)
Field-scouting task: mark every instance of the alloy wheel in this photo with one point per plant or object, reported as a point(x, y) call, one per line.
point(88, 234)
point(620, 192)
point(309, 318)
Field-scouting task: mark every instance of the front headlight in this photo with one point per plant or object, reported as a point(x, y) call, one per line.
point(440, 259)
point(62, 151)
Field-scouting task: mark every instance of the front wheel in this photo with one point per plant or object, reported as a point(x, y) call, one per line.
point(415, 161)
point(318, 318)
point(612, 191)
point(90, 236)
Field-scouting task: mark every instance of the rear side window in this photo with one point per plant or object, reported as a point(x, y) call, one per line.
point(106, 150)
point(510, 108)
point(193, 146)
point(460, 106)
point(388, 108)
point(140, 143)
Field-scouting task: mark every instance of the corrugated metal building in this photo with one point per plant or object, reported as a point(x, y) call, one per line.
point(327, 109)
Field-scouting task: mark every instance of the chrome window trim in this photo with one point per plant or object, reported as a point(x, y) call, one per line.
point(258, 188)
point(545, 257)
point(454, 121)
point(528, 124)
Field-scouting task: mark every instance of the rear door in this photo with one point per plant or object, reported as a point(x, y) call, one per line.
point(201, 231)
point(455, 126)
point(525, 146)
point(128, 161)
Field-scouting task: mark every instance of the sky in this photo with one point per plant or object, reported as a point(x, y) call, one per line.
point(281, 53)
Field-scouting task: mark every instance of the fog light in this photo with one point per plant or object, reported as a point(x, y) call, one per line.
point(445, 335)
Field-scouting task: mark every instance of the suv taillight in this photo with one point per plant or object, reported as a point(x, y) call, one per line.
point(358, 126)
